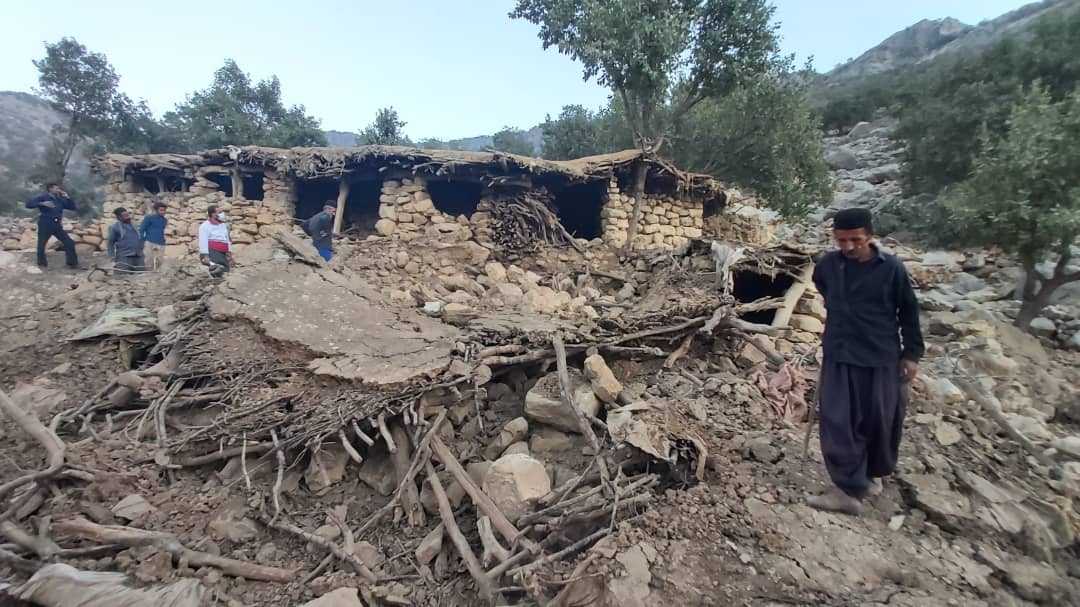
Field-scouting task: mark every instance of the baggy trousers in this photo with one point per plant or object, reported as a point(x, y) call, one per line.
point(47, 228)
point(862, 418)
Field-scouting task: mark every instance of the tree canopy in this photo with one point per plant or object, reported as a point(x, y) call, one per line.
point(1024, 192)
point(387, 129)
point(513, 141)
point(233, 110)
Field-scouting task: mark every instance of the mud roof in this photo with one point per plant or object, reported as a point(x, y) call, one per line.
point(490, 167)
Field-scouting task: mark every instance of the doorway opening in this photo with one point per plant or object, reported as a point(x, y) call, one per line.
point(361, 208)
point(312, 194)
point(752, 286)
point(578, 207)
point(223, 182)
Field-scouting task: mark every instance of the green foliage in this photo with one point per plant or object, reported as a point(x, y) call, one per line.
point(236, 111)
point(1024, 192)
point(83, 86)
point(943, 109)
point(512, 141)
point(762, 136)
point(387, 129)
point(660, 57)
point(575, 134)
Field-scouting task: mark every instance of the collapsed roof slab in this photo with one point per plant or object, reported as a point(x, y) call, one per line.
point(337, 319)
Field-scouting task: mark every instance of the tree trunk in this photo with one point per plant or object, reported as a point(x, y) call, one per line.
point(640, 172)
point(1034, 302)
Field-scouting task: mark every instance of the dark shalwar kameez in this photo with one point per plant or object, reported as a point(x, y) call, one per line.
point(870, 306)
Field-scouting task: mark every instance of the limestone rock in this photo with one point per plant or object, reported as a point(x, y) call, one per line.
point(520, 447)
point(861, 130)
point(514, 481)
point(803, 322)
point(941, 390)
point(231, 523)
point(842, 158)
point(430, 546)
point(326, 468)
point(515, 430)
point(544, 403)
point(455, 493)
point(132, 507)
point(495, 271)
point(541, 300)
point(507, 293)
point(811, 306)
point(947, 434)
point(377, 472)
point(603, 381)
point(385, 227)
point(545, 441)
point(342, 597)
point(1043, 327)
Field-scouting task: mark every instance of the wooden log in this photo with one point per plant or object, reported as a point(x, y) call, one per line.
point(167, 542)
point(567, 393)
point(792, 296)
point(483, 582)
point(342, 198)
point(410, 497)
point(46, 437)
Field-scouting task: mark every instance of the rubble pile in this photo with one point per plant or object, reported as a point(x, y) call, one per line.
point(436, 420)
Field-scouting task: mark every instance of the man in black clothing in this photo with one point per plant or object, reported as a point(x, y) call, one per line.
point(51, 207)
point(321, 229)
point(125, 244)
point(872, 346)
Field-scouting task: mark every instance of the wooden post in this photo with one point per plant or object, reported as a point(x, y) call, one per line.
point(237, 183)
point(343, 195)
point(791, 298)
point(160, 184)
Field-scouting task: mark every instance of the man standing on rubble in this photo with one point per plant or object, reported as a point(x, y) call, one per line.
point(51, 207)
point(871, 347)
point(125, 245)
point(215, 247)
point(152, 229)
point(320, 227)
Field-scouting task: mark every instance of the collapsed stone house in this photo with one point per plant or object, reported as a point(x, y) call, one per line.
point(398, 191)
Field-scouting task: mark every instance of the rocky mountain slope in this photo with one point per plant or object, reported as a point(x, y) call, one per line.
point(534, 135)
point(26, 123)
point(929, 39)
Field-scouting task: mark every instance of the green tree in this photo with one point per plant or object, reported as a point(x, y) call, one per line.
point(574, 134)
point(236, 111)
point(661, 58)
point(762, 136)
point(1024, 193)
point(387, 129)
point(82, 85)
point(512, 141)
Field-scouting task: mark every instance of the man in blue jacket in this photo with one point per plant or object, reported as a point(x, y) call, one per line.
point(51, 207)
point(152, 229)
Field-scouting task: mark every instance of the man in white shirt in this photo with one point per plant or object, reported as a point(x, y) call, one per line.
point(215, 247)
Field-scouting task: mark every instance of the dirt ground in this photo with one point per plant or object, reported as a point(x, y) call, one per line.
point(970, 518)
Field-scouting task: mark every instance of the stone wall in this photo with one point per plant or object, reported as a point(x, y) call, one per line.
point(666, 222)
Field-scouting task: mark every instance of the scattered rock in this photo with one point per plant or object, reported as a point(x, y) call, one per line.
point(947, 434)
point(513, 481)
point(515, 430)
point(1034, 429)
point(430, 546)
point(455, 493)
point(1043, 327)
point(811, 306)
point(326, 468)
point(842, 158)
point(632, 589)
point(520, 447)
point(544, 403)
point(549, 440)
point(762, 450)
point(369, 554)
point(495, 271)
point(941, 390)
point(861, 130)
point(896, 522)
point(132, 507)
point(603, 381)
point(931, 493)
point(803, 322)
point(377, 472)
point(385, 227)
point(342, 597)
point(1069, 445)
point(231, 523)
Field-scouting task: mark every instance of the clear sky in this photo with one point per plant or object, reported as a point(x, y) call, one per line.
point(452, 68)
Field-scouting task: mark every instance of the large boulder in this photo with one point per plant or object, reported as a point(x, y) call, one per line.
point(326, 468)
point(842, 158)
point(514, 481)
point(544, 402)
point(861, 130)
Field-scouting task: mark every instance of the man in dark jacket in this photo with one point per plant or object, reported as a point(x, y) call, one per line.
point(51, 207)
point(125, 245)
point(870, 306)
point(321, 229)
point(152, 230)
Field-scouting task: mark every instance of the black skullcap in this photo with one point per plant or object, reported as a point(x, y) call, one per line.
point(853, 219)
point(330, 203)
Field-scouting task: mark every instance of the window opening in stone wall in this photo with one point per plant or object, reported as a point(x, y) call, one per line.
point(714, 206)
point(223, 181)
point(176, 184)
point(361, 208)
point(149, 183)
point(253, 185)
point(455, 197)
point(752, 286)
point(312, 194)
point(578, 207)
